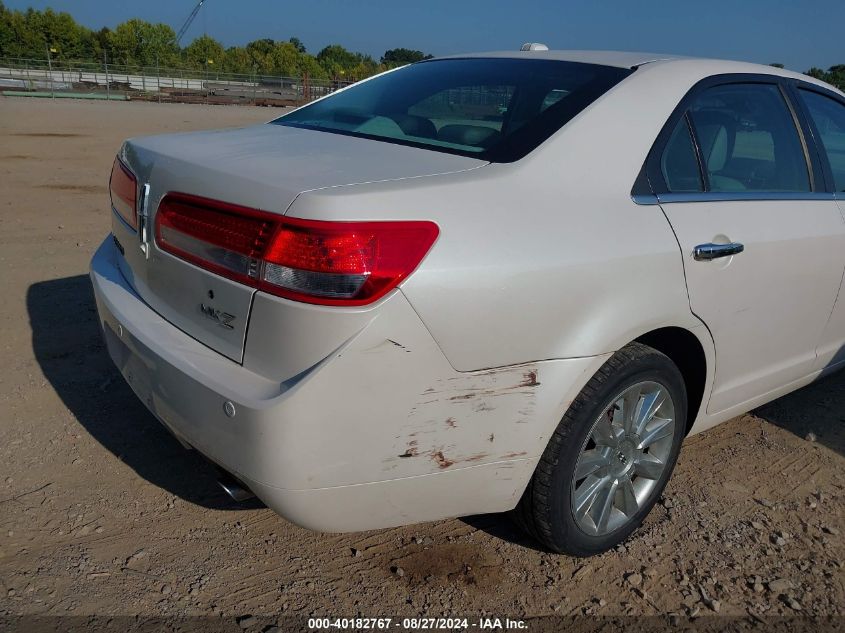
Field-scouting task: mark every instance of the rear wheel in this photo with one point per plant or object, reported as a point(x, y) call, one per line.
point(610, 456)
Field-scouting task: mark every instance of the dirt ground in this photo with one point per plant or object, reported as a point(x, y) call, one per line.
point(102, 512)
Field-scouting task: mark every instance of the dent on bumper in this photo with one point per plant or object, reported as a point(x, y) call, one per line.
point(382, 432)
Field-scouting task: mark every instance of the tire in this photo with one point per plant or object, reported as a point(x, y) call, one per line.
point(552, 508)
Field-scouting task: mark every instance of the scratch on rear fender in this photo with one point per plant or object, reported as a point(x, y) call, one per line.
point(454, 422)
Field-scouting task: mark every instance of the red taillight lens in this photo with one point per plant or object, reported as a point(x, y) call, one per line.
point(123, 188)
point(330, 263)
point(351, 262)
point(225, 239)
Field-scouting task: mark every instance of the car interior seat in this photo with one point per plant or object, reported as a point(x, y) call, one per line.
point(473, 135)
point(415, 125)
point(716, 133)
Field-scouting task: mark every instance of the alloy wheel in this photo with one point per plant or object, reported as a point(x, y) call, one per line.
point(623, 458)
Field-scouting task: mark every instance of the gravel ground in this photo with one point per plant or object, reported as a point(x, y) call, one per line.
point(103, 513)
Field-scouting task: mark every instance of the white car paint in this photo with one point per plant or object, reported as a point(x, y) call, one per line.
point(767, 308)
point(264, 167)
point(439, 399)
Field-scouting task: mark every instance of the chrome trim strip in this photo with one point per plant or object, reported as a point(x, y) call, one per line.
point(740, 196)
point(143, 217)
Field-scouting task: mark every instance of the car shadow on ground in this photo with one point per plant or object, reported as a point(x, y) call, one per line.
point(501, 526)
point(817, 409)
point(68, 346)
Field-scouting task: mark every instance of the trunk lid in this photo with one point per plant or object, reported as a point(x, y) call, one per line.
point(264, 167)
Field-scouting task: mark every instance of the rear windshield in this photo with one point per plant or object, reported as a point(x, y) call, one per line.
point(492, 109)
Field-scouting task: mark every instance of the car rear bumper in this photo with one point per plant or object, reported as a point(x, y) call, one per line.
point(381, 432)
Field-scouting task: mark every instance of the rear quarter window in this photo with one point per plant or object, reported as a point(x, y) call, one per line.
point(679, 163)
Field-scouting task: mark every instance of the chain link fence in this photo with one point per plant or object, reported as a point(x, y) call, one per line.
point(55, 79)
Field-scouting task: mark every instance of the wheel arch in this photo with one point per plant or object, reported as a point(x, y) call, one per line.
point(686, 350)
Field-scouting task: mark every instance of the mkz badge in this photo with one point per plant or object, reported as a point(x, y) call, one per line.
point(223, 319)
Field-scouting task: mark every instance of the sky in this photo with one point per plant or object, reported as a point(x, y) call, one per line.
point(797, 33)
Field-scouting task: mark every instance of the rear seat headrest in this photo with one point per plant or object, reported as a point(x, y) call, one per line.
point(474, 135)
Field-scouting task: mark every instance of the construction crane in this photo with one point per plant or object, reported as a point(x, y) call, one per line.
point(188, 22)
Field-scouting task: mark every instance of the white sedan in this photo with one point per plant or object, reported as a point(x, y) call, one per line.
point(503, 281)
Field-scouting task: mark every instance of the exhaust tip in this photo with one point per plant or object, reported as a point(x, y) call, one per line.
point(235, 489)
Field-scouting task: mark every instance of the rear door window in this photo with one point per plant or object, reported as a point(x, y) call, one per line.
point(748, 140)
point(829, 118)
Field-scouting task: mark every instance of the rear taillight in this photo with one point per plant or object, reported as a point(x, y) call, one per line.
point(123, 188)
point(329, 263)
point(225, 239)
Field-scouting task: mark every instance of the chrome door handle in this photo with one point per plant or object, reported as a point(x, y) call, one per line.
point(707, 252)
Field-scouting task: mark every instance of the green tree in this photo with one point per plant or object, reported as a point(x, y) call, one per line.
point(7, 35)
point(202, 49)
point(140, 43)
point(61, 32)
point(308, 65)
point(401, 56)
point(30, 33)
point(261, 53)
point(236, 59)
point(835, 75)
point(285, 59)
point(298, 44)
point(99, 43)
point(337, 61)
point(19, 40)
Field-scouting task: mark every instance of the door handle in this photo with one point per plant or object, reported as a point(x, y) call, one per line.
point(708, 252)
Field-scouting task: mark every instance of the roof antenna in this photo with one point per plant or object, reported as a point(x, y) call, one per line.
point(533, 46)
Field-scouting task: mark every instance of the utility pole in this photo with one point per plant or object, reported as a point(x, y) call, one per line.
point(50, 70)
point(106, 66)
